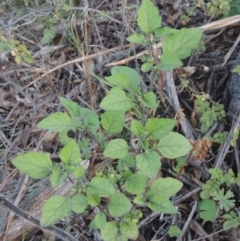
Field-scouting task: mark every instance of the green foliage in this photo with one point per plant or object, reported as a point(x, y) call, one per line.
point(216, 197)
point(219, 8)
point(19, 51)
point(209, 210)
point(174, 231)
point(209, 114)
point(176, 44)
point(122, 187)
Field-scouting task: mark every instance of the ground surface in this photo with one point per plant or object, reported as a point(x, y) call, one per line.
point(28, 93)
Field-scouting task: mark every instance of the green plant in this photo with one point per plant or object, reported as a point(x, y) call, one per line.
point(209, 114)
point(176, 44)
point(18, 50)
point(219, 8)
point(216, 199)
point(121, 187)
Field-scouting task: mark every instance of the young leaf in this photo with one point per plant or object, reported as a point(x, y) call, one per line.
point(110, 231)
point(57, 177)
point(183, 42)
point(101, 187)
point(135, 184)
point(162, 204)
point(148, 163)
point(146, 67)
point(136, 38)
point(48, 35)
point(93, 199)
point(58, 121)
point(63, 138)
point(79, 173)
point(113, 121)
point(148, 17)
point(55, 208)
point(81, 117)
point(116, 149)
point(149, 100)
point(137, 128)
point(174, 231)
point(130, 73)
point(165, 186)
point(116, 100)
point(79, 203)
point(36, 165)
point(165, 31)
point(120, 81)
point(70, 154)
point(129, 229)
point(100, 220)
point(174, 145)
point(209, 210)
point(157, 128)
point(169, 61)
point(224, 200)
point(119, 205)
point(139, 200)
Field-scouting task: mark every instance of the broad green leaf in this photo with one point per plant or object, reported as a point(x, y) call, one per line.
point(169, 61)
point(148, 17)
point(120, 237)
point(113, 121)
point(36, 165)
point(79, 172)
point(81, 117)
point(119, 205)
point(139, 200)
point(231, 223)
point(120, 81)
point(93, 225)
point(63, 138)
point(136, 128)
point(135, 184)
point(110, 231)
point(58, 121)
point(183, 42)
point(148, 163)
point(174, 231)
point(129, 229)
point(174, 145)
point(161, 204)
point(209, 210)
point(101, 186)
point(54, 209)
point(157, 128)
point(165, 186)
point(146, 67)
point(79, 203)
point(116, 149)
point(100, 220)
point(130, 73)
point(48, 35)
point(136, 38)
point(69, 168)
point(165, 31)
point(18, 59)
point(149, 100)
point(116, 100)
point(93, 199)
point(70, 154)
point(57, 177)
point(126, 162)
